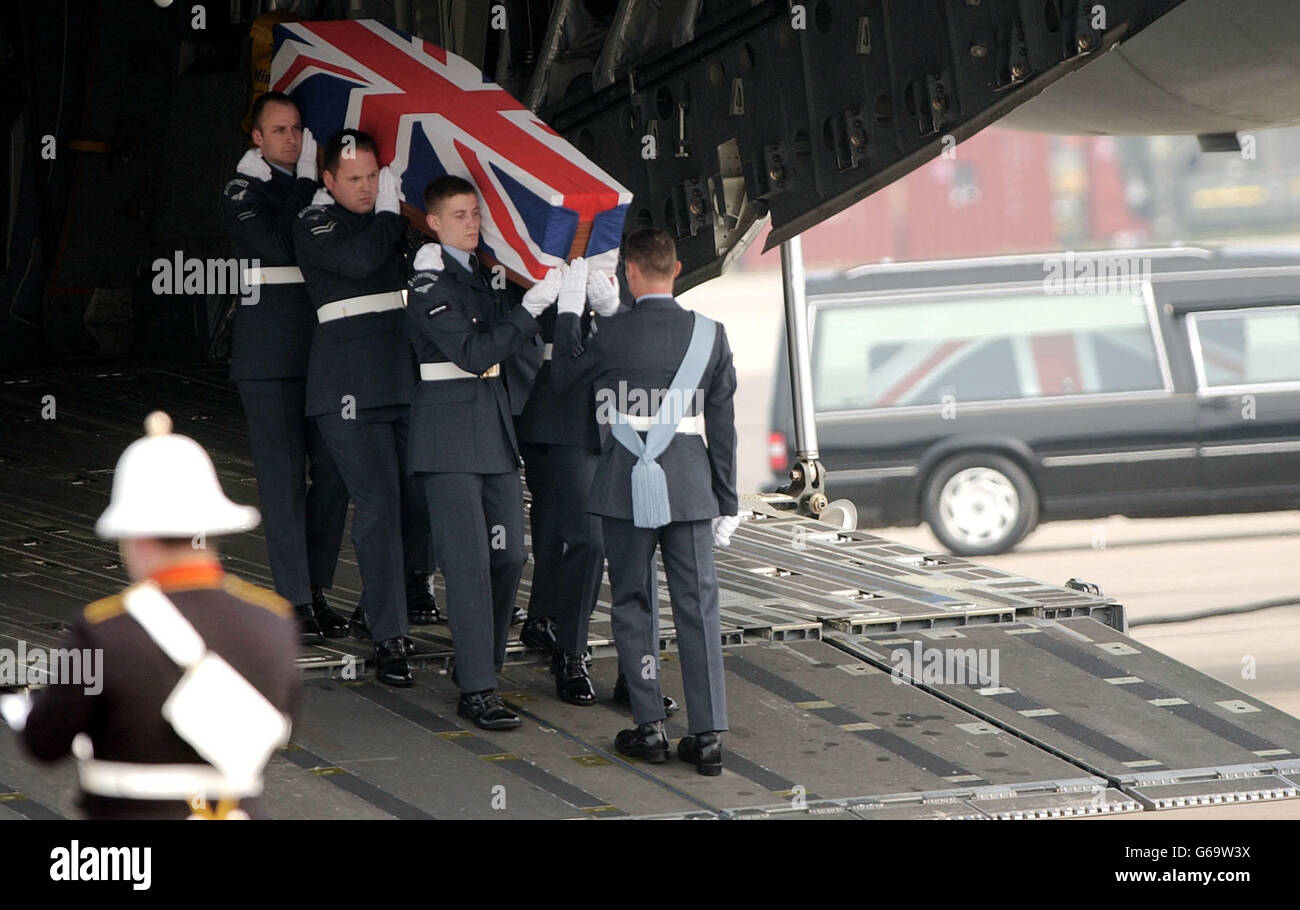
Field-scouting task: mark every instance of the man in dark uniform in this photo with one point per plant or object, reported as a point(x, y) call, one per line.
point(272, 338)
point(673, 493)
point(138, 758)
point(359, 381)
point(560, 444)
point(466, 332)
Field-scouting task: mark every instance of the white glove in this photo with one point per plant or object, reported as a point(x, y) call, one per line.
point(322, 197)
point(428, 258)
point(307, 156)
point(723, 527)
point(602, 292)
point(14, 709)
point(388, 198)
point(543, 293)
point(573, 287)
point(254, 165)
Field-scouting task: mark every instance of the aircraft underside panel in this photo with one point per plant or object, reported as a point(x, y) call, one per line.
point(797, 111)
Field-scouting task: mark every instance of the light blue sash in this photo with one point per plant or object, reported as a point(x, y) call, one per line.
point(649, 486)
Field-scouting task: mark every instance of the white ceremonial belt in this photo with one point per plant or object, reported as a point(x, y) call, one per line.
point(546, 351)
point(689, 426)
point(356, 306)
point(273, 274)
point(434, 372)
point(130, 780)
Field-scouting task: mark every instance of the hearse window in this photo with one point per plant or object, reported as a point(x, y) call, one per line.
point(1245, 347)
point(910, 353)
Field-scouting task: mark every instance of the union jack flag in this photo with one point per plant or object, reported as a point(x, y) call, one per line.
point(433, 113)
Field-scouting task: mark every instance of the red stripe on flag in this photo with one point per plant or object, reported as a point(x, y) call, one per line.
point(302, 62)
point(494, 203)
point(434, 51)
point(917, 373)
point(1057, 364)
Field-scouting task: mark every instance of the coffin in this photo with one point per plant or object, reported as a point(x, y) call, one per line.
point(433, 113)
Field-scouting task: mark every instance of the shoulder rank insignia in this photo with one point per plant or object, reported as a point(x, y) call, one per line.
point(422, 282)
point(236, 189)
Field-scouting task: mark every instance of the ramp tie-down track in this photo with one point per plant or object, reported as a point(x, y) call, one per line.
point(865, 678)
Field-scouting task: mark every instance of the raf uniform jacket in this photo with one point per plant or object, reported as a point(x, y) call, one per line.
point(250, 627)
point(272, 338)
point(552, 417)
point(344, 255)
point(634, 356)
point(467, 425)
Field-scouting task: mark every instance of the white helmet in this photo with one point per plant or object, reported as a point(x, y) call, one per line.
point(165, 486)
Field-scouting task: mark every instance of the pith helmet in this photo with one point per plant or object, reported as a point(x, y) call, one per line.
point(165, 486)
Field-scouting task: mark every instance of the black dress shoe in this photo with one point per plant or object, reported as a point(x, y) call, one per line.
point(488, 711)
point(539, 633)
point(623, 697)
point(573, 681)
point(646, 741)
point(358, 628)
point(332, 624)
point(308, 630)
point(421, 605)
point(391, 667)
point(520, 615)
point(704, 751)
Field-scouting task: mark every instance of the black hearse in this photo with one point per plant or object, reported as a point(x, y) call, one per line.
point(983, 396)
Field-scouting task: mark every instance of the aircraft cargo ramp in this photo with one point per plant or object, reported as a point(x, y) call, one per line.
point(1036, 705)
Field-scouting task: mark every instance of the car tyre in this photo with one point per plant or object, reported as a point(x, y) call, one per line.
point(979, 504)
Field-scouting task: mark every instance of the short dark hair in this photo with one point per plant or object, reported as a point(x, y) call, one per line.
point(269, 98)
point(361, 142)
point(653, 251)
point(444, 186)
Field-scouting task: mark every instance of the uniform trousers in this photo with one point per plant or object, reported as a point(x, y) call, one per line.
point(568, 547)
point(303, 523)
point(390, 529)
point(478, 534)
point(687, 550)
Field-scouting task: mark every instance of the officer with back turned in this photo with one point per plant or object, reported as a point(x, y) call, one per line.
point(665, 384)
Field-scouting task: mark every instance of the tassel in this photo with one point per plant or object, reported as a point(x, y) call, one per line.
point(649, 495)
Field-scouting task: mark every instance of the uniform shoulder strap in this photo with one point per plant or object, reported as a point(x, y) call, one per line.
point(154, 611)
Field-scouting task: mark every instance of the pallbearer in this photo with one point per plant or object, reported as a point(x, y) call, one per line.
point(268, 362)
point(664, 385)
point(359, 382)
point(560, 446)
point(469, 335)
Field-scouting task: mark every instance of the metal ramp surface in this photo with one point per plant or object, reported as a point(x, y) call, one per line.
point(1164, 733)
point(811, 615)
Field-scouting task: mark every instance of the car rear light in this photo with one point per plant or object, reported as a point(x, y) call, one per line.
point(778, 455)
